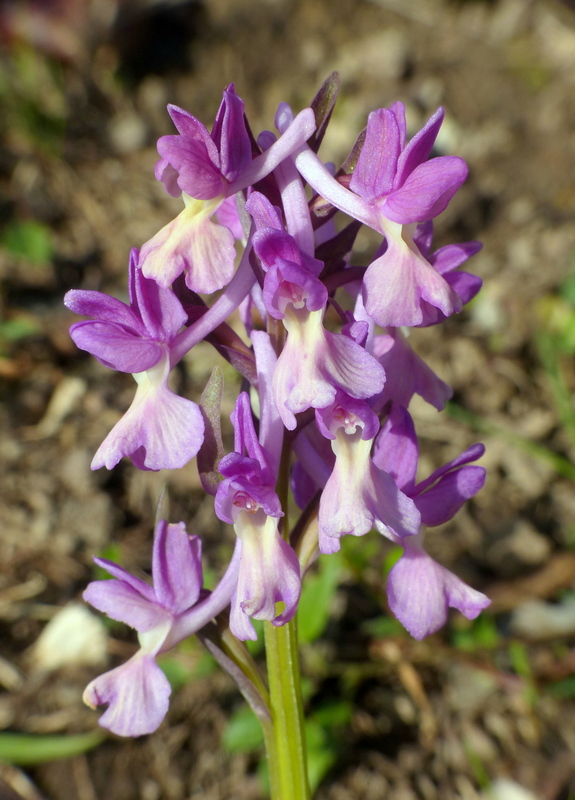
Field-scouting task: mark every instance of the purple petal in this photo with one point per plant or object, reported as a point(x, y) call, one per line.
point(176, 567)
point(122, 602)
point(440, 503)
point(114, 347)
point(420, 591)
point(426, 192)
point(137, 694)
point(375, 170)
point(159, 431)
point(191, 128)
point(121, 574)
point(419, 148)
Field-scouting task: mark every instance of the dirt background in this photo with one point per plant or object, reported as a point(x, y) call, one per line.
point(473, 710)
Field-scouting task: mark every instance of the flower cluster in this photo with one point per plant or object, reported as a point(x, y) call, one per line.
point(328, 373)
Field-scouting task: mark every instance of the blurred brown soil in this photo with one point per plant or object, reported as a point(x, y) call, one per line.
point(430, 720)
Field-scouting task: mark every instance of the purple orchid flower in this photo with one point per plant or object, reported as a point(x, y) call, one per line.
point(420, 591)
point(358, 496)
point(314, 362)
point(165, 613)
point(246, 498)
point(160, 430)
point(393, 188)
point(208, 169)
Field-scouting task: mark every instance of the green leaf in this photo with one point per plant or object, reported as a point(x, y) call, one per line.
point(243, 733)
point(29, 240)
point(29, 749)
point(563, 689)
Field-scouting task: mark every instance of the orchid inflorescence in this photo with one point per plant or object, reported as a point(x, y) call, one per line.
point(324, 399)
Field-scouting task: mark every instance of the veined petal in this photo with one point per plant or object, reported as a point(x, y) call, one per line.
point(160, 430)
point(193, 244)
point(136, 693)
point(269, 570)
point(420, 591)
point(395, 284)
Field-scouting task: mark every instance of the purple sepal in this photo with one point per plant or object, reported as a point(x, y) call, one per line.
point(420, 592)
point(440, 496)
point(440, 503)
point(122, 602)
point(198, 176)
point(231, 137)
point(116, 348)
point(137, 694)
point(160, 430)
point(249, 480)
point(427, 191)
point(176, 567)
point(419, 147)
point(375, 170)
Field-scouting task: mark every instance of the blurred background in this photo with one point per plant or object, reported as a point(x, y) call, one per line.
point(483, 709)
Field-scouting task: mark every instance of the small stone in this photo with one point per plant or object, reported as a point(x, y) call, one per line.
point(73, 637)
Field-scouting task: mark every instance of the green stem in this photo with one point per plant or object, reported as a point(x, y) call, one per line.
point(288, 760)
